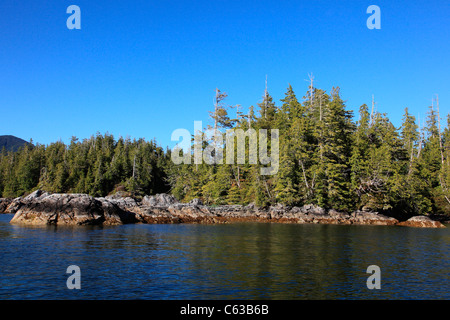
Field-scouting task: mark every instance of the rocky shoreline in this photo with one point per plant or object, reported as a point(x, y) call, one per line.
point(42, 208)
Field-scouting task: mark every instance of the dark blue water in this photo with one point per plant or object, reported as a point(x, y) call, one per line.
point(234, 261)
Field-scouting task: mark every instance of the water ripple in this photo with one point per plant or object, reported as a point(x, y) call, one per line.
point(235, 261)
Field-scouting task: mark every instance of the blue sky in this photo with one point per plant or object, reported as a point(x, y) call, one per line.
point(145, 68)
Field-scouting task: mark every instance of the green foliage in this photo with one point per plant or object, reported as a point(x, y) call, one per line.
point(326, 158)
point(97, 166)
point(329, 160)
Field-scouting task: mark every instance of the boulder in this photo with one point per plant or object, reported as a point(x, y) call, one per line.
point(312, 209)
point(337, 214)
point(159, 200)
point(277, 211)
point(231, 211)
point(116, 212)
point(70, 209)
point(35, 195)
point(4, 204)
point(196, 202)
point(14, 205)
point(421, 222)
point(125, 203)
point(371, 218)
point(148, 214)
point(251, 207)
point(296, 213)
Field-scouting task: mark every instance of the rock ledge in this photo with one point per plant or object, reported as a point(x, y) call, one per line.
point(41, 208)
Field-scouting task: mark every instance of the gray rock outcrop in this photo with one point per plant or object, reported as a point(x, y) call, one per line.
point(159, 200)
point(81, 209)
point(4, 204)
point(421, 222)
point(70, 209)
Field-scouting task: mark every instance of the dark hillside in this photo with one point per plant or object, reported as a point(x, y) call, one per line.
point(11, 143)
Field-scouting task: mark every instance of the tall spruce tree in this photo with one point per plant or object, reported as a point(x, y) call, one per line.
point(337, 150)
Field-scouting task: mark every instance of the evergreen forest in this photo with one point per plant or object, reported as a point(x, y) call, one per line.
point(328, 156)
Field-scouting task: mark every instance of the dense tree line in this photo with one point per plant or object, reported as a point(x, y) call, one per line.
point(98, 166)
point(326, 158)
point(329, 159)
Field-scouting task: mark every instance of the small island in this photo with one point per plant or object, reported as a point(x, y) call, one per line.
point(319, 165)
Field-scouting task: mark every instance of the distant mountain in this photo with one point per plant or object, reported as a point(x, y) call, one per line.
point(11, 143)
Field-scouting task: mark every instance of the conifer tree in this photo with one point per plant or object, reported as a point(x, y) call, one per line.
point(361, 182)
point(410, 135)
point(446, 165)
point(337, 137)
point(234, 195)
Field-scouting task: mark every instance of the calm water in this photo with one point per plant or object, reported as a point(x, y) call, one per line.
point(235, 261)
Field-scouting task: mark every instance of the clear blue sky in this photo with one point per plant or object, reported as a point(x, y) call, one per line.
point(146, 68)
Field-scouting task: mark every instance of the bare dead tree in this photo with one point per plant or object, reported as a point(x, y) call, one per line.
point(220, 96)
point(373, 111)
point(439, 129)
point(266, 94)
point(421, 138)
point(311, 88)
